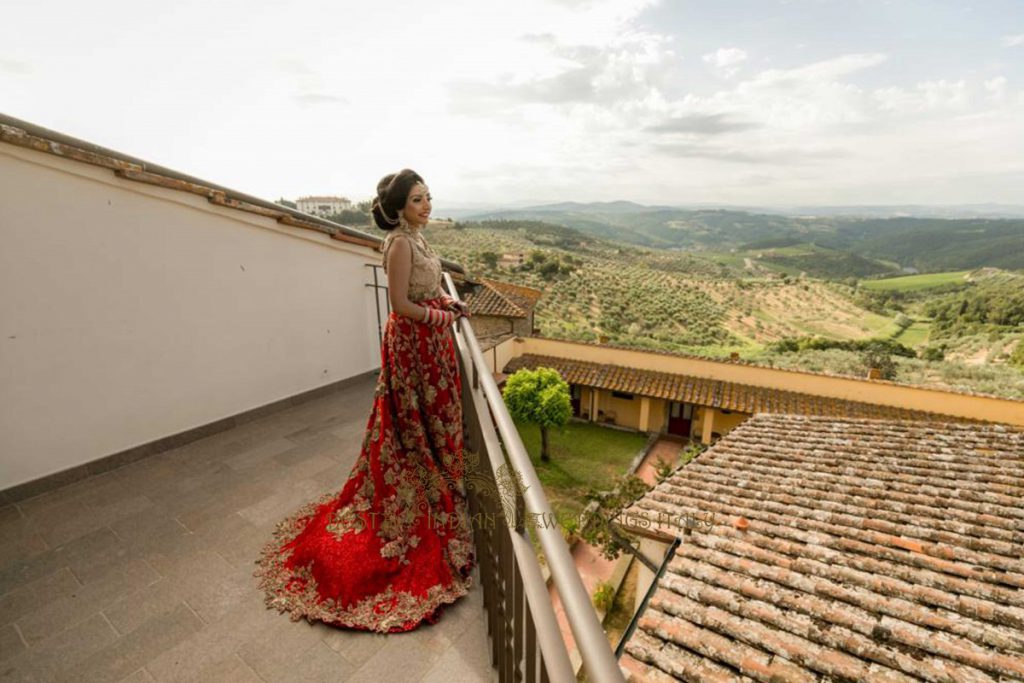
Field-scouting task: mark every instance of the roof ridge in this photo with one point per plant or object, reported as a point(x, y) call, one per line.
point(718, 397)
point(741, 361)
point(515, 285)
point(768, 415)
point(504, 297)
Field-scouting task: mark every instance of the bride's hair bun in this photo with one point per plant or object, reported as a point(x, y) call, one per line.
point(392, 192)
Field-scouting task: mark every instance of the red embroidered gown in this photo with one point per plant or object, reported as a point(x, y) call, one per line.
point(394, 546)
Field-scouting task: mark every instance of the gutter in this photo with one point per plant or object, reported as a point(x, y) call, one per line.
point(628, 633)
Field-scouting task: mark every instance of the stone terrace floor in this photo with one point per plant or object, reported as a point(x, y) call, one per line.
point(144, 573)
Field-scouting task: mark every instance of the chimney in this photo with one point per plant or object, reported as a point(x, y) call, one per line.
point(874, 373)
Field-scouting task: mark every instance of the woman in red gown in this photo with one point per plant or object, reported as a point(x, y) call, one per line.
point(394, 546)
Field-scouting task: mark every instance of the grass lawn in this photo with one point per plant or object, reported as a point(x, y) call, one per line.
point(582, 455)
point(916, 334)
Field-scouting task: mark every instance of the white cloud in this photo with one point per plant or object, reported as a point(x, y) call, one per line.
point(725, 60)
point(824, 70)
point(926, 96)
point(1013, 41)
point(996, 88)
point(725, 56)
point(15, 67)
point(802, 98)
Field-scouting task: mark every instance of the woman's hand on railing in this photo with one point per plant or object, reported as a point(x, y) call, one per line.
point(455, 306)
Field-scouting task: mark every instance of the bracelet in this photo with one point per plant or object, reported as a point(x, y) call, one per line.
point(433, 316)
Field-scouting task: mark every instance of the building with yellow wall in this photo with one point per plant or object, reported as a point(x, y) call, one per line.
point(700, 398)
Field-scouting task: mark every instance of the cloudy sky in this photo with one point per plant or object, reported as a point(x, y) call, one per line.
point(757, 102)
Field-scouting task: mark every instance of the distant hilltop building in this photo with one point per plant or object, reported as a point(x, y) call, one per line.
point(323, 206)
point(512, 259)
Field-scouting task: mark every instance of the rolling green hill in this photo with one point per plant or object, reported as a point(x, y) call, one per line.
point(716, 302)
point(858, 247)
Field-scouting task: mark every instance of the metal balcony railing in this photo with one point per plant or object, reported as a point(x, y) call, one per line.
point(526, 642)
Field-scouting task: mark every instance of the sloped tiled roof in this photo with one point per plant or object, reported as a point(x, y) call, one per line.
point(840, 550)
point(744, 398)
point(503, 299)
point(758, 364)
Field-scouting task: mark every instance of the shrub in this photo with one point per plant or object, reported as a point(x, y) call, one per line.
point(603, 596)
point(664, 469)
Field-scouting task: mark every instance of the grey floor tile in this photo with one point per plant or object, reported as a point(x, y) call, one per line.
point(133, 650)
point(11, 642)
point(140, 676)
point(300, 657)
point(19, 540)
point(144, 573)
point(95, 547)
point(63, 652)
point(85, 601)
point(8, 513)
point(37, 594)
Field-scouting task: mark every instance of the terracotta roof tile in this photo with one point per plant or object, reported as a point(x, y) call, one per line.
point(875, 550)
point(503, 299)
point(744, 398)
point(755, 364)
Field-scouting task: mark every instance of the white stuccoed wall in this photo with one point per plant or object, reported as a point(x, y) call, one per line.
point(130, 312)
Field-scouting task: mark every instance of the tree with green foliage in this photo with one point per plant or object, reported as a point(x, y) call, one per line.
point(350, 217)
point(1017, 357)
point(549, 269)
point(489, 258)
point(903, 321)
point(878, 356)
point(539, 396)
point(799, 344)
point(598, 529)
point(934, 352)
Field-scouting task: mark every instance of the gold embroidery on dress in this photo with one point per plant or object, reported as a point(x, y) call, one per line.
point(296, 590)
point(425, 276)
point(418, 464)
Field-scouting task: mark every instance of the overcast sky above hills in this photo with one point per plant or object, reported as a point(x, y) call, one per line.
point(760, 102)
